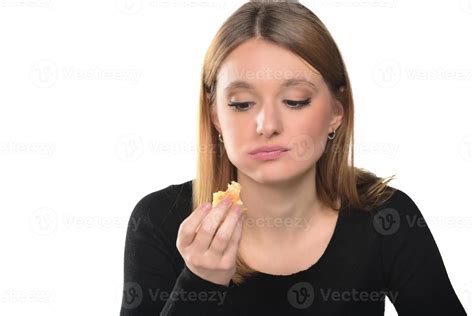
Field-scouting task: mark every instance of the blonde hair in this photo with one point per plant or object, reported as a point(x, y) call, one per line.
point(296, 28)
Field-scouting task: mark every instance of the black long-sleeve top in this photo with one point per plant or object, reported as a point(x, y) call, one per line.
point(389, 253)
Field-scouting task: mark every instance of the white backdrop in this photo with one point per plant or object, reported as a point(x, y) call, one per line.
point(98, 108)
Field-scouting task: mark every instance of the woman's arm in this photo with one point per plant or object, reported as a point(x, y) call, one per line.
point(416, 277)
point(151, 286)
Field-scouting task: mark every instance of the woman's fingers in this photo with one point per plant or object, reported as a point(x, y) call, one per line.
point(230, 253)
point(219, 229)
point(225, 231)
point(189, 226)
point(210, 224)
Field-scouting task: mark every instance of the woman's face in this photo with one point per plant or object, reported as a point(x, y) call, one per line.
point(267, 114)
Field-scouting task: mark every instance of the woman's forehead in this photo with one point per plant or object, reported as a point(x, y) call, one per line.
point(251, 69)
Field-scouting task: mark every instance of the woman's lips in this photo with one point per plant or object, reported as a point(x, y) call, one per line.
point(268, 155)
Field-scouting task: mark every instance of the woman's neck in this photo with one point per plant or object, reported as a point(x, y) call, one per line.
point(280, 212)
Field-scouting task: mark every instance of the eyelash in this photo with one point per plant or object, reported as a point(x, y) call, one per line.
point(301, 103)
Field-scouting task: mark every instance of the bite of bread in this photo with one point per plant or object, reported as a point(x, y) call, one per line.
point(233, 191)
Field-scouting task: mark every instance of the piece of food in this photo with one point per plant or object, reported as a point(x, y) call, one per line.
point(233, 191)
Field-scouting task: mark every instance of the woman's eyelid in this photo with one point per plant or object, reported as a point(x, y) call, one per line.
point(293, 104)
point(285, 100)
point(253, 99)
point(250, 96)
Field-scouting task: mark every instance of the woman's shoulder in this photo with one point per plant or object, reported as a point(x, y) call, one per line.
point(398, 209)
point(396, 220)
point(394, 198)
point(399, 203)
point(165, 208)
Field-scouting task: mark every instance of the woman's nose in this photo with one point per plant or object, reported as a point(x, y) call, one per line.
point(268, 120)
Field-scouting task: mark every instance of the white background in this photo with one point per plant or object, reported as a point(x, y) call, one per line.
point(98, 108)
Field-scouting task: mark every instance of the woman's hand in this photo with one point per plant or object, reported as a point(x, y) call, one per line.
point(208, 247)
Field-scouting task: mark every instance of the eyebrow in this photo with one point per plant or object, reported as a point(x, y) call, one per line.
point(239, 84)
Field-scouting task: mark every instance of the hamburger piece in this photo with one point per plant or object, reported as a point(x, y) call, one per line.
point(233, 191)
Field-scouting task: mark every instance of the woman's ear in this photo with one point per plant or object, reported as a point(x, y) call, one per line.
point(215, 119)
point(338, 110)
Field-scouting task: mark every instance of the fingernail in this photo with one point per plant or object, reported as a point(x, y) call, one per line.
point(206, 206)
point(238, 209)
point(226, 201)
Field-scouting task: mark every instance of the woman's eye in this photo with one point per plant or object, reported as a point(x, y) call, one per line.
point(298, 104)
point(238, 105)
point(291, 103)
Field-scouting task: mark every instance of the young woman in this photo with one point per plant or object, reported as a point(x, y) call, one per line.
point(319, 236)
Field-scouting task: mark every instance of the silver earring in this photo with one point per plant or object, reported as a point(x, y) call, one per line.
point(333, 135)
point(220, 138)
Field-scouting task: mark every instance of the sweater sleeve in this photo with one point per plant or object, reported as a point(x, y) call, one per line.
point(151, 285)
point(416, 279)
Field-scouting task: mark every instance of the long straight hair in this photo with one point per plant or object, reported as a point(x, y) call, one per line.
point(292, 26)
